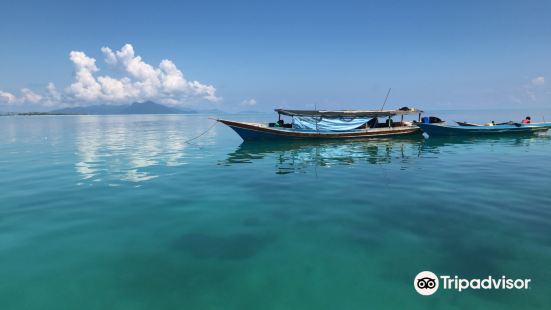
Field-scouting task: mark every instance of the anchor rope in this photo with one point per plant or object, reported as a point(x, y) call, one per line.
point(202, 134)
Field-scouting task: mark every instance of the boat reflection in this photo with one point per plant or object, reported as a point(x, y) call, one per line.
point(293, 157)
point(438, 144)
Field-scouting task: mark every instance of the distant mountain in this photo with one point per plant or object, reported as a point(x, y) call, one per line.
point(95, 109)
point(147, 107)
point(150, 107)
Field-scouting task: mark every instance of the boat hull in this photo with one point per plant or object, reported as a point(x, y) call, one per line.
point(443, 130)
point(255, 132)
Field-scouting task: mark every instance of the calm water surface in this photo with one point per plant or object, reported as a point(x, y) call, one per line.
point(119, 212)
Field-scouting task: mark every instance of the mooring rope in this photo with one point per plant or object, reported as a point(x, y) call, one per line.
point(202, 134)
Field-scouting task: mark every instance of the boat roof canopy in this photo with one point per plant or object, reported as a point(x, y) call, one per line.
point(349, 113)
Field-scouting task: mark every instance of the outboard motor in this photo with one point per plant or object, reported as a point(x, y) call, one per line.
point(435, 120)
point(431, 120)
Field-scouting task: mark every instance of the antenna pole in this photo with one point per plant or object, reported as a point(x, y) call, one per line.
point(386, 98)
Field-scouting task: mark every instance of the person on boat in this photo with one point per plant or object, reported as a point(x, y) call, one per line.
point(526, 120)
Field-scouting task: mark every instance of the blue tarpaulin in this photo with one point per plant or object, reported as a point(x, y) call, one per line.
point(328, 124)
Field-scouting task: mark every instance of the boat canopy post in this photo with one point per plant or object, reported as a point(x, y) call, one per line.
point(389, 121)
point(419, 118)
point(278, 116)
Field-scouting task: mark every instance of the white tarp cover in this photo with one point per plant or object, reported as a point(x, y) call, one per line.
point(328, 124)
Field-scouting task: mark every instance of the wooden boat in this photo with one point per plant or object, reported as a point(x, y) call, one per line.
point(489, 124)
point(507, 128)
point(467, 124)
point(318, 124)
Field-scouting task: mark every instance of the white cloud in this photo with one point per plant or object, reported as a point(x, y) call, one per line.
point(538, 81)
point(52, 96)
point(139, 81)
point(142, 81)
point(110, 57)
point(85, 86)
point(6, 97)
point(248, 102)
point(52, 91)
point(134, 65)
point(28, 95)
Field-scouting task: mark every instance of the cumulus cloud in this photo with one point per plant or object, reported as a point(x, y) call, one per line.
point(85, 86)
point(142, 81)
point(52, 96)
point(538, 81)
point(110, 57)
point(6, 97)
point(52, 91)
point(137, 81)
point(27, 95)
point(248, 102)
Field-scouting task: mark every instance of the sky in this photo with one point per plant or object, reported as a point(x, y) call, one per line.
point(260, 55)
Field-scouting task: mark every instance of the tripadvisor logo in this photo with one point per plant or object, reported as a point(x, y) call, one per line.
point(427, 283)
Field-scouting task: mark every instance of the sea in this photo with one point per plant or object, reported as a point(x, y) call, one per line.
point(177, 212)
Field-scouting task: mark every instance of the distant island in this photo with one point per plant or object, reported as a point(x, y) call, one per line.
point(147, 107)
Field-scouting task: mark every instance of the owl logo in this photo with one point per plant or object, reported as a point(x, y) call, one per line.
point(426, 283)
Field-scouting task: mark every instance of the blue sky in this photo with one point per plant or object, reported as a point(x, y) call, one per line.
point(256, 56)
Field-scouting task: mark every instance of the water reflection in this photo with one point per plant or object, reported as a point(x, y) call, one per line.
point(293, 157)
point(439, 144)
point(126, 148)
point(113, 149)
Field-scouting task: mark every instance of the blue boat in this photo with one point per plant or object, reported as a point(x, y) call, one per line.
point(480, 130)
point(319, 124)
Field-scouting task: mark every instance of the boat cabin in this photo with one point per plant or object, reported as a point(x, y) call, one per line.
point(345, 120)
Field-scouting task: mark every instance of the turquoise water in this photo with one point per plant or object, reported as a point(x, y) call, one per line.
point(118, 212)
